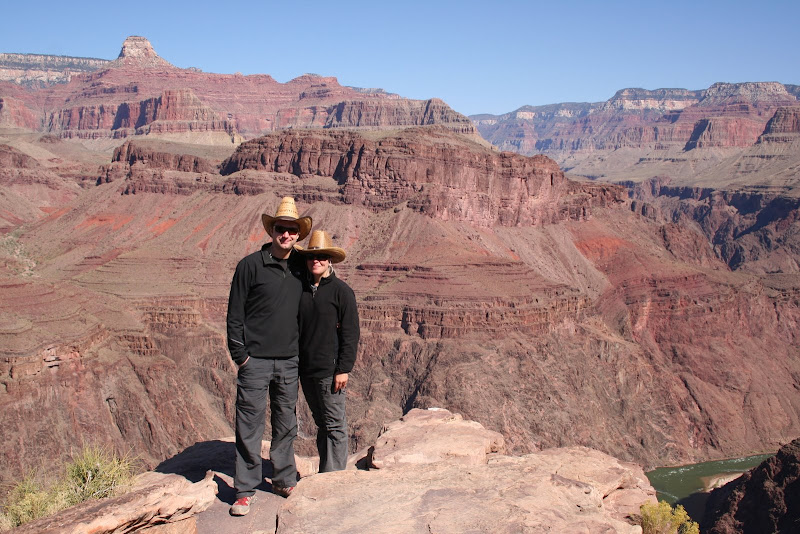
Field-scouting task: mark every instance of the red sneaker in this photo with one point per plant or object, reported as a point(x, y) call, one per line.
point(242, 505)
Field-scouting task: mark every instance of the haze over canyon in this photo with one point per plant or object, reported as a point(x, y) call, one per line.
point(619, 275)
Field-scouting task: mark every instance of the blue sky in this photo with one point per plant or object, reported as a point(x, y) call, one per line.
point(479, 57)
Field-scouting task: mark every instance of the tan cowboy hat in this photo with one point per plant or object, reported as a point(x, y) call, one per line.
point(287, 211)
point(320, 243)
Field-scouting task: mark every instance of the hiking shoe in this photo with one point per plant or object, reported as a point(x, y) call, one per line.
point(242, 505)
point(283, 491)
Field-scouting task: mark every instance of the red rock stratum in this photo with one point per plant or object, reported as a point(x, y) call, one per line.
point(141, 93)
point(488, 284)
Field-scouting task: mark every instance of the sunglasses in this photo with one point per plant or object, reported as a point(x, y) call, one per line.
point(291, 230)
point(318, 257)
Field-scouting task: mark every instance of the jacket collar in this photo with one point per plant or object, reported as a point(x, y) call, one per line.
point(267, 258)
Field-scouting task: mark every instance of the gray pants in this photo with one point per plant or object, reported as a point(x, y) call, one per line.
point(329, 414)
point(256, 378)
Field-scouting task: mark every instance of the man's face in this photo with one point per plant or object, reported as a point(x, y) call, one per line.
point(285, 234)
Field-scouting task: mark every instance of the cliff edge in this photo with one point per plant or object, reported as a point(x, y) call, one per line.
point(438, 473)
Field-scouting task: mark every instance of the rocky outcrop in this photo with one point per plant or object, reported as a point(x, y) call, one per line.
point(444, 476)
point(10, 157)
point(783, 127)
point(389, 114)
point(447, 438)
point(156, 503)
point(15, 114)
point(432, 170)
point(138, 52)
point(765, 499)
point(132, 153)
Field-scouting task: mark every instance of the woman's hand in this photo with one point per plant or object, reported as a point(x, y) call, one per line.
point(339, 382)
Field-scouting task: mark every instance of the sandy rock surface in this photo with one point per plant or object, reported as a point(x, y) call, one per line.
point(445, 487)
point(434, 435)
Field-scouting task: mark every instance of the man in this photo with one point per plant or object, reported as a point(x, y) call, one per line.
point(263, 342)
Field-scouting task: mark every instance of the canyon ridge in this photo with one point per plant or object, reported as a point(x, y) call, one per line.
point(645, 303)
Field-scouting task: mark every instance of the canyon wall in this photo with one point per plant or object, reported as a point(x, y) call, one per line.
point(554, 312)
point(40, 70)
point(140, 93)
point(754, 231)
point(433, 171)
point(659, 328)
point(724, 115)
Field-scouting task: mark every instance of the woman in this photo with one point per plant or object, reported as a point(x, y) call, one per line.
point(329, 335)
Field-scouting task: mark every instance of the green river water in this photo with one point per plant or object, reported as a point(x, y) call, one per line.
point(685, 484)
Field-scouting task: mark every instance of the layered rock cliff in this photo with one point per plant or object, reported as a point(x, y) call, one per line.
point(722, 160)
point(14, 114)
point(724, 115)
point(490, 284)
point(433, 171)
point(121, 98)
point(783, 126)
point(39, 70)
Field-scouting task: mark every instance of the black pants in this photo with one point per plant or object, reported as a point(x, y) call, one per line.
point(329, 414)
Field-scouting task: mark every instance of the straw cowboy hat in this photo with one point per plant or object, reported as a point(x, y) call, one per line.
point(320, 243)
point(287, 211)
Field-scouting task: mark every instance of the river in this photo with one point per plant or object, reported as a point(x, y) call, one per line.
point(687, 484)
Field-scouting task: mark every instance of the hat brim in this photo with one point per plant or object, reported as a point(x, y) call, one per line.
point(337, 255)
point(303, 222)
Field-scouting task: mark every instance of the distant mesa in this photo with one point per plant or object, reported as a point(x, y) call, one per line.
point(117, 99)
point(137, 51)
point(690, 135)
point(753, 93)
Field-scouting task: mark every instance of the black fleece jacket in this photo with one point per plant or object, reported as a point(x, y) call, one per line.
point(263, 305)
point(329, 329)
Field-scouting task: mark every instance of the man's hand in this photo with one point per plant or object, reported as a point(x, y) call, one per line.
point(339, 382)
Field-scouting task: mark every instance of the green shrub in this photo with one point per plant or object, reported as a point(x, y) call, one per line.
point(662, 519)
point(29, 500)
point(94, 473)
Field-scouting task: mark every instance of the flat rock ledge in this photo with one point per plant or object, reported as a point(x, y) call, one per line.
point(434, 472)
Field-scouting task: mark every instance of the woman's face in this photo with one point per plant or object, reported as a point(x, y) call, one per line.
point(318, 264)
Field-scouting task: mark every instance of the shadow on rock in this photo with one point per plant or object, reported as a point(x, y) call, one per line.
point(695, 505)
point(217, 455)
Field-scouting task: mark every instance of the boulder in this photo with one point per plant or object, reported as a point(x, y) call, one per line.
point(454, 482)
